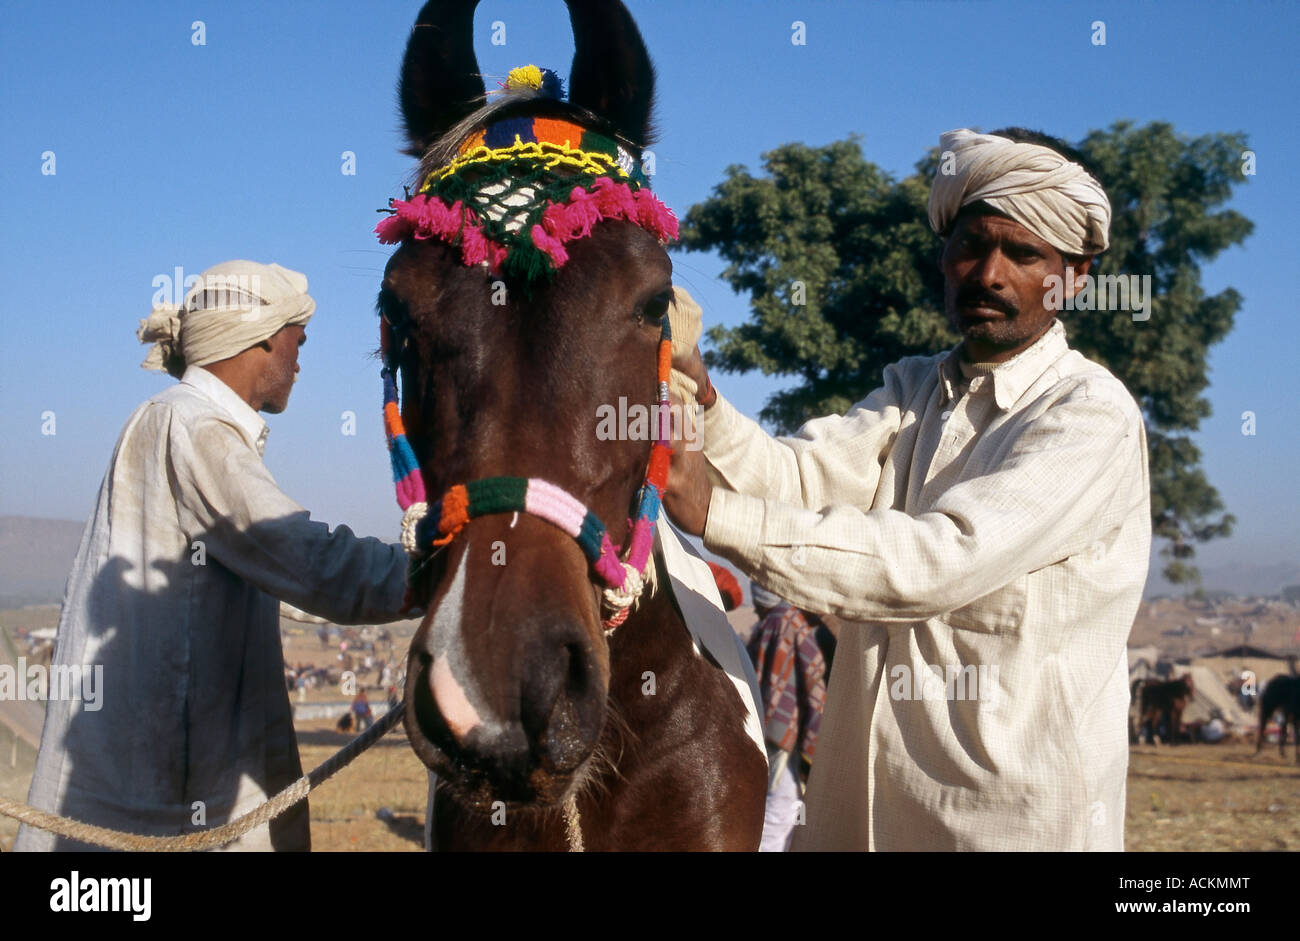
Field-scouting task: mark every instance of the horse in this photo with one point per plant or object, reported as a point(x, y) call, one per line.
point(1281, 694)
point(1159, 700)
point(545, 727)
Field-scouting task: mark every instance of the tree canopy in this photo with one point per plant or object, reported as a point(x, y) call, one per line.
point(842, 272)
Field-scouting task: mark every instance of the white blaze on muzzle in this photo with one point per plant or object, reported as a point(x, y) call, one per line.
point(459, 701)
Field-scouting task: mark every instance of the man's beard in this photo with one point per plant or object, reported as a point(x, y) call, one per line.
point(275, 388)
point(1002, 331)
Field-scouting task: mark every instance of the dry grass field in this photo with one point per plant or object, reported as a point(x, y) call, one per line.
point(346, 809)
point(1188, 797)
point(1212, 797)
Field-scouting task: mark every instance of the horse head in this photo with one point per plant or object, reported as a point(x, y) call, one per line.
point(527, 293)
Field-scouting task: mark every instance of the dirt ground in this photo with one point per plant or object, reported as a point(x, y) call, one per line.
point(1187, 797)
point(348, 810)
point(1212, 797)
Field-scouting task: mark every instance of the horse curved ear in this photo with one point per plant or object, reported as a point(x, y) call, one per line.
point(440, 82)
point(612, 75)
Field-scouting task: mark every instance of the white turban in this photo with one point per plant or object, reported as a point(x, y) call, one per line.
point(1057, 200)
point(232, 306)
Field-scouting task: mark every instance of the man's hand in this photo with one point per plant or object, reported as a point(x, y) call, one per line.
point(692, 368)
point(687, 496)
point(689, 380)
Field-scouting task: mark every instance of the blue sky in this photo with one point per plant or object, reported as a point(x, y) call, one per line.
point(170, 154)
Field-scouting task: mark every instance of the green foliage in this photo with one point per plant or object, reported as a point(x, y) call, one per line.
point(824, 223)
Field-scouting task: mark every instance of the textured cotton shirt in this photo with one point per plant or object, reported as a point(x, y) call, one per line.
point(992, 546)
point(174, 593)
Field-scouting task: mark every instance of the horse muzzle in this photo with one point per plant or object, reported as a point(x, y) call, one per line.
point(528, 750)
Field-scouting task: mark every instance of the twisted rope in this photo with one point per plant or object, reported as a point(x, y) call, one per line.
point(218, 836)
point(573, 825)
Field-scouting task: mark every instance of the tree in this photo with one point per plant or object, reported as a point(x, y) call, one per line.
point(842, 272)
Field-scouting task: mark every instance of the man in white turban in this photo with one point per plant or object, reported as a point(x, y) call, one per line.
point(174, 597)
point(984, 517)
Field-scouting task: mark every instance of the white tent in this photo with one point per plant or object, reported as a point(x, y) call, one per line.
point(21, 719)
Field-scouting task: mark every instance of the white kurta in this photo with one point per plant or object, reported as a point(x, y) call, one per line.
point(1001, 538)
point(174, 593)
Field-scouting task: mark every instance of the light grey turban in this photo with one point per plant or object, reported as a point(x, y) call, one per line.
point(232, 306)
point(762, 598)
point(1056, 199)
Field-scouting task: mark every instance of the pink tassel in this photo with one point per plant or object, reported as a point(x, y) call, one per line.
point(474, 249)
point(553, 247)
point(392, 229)
point(654, 216)
point(423, 218)
point(574, 220)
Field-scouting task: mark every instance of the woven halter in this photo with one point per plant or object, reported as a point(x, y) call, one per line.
point(518, 191)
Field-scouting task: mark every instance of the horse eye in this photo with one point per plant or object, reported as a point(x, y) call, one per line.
point(656, 309)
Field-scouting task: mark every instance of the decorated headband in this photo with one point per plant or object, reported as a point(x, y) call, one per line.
point(519, 189)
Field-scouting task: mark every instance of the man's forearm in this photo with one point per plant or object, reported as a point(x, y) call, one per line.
point(1050, 498)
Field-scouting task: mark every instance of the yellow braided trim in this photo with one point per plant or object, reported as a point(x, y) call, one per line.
point(552, 155)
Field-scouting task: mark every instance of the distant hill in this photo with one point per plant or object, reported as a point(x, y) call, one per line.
point(1239, 578)
point(35, 559)
point(36, 556)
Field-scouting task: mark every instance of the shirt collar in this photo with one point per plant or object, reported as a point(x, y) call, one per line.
point(1012, 378)
point(255, 430)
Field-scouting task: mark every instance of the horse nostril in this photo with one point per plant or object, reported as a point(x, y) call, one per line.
point(578, 680)
point(561, 716)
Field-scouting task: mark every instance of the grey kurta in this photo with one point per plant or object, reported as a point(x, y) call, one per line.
point(999, 537)
point(174, 592)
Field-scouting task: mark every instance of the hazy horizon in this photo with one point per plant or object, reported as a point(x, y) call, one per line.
point(170, 154)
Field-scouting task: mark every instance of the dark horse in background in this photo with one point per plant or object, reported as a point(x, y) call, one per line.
point(512, 389)
point(1161, 702)
point(1282, 694)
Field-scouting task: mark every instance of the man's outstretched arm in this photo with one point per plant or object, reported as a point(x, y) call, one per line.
point(229, 499)
point(1044, 502)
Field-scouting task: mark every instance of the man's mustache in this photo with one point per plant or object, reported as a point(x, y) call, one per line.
point(972, 296)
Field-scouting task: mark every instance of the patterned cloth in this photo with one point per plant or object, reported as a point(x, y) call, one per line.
point(521, 189)
point(791, 675)
point(1007, 531)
